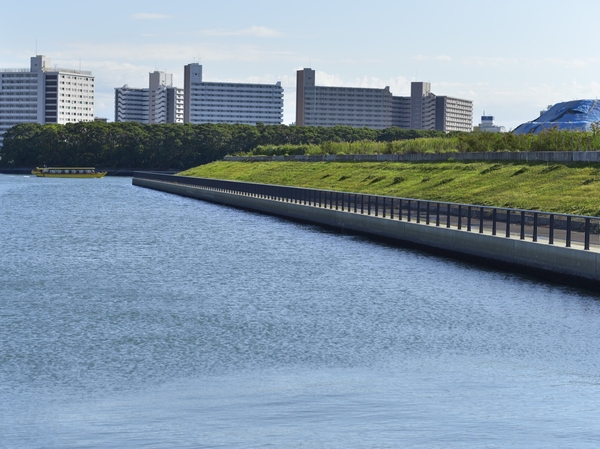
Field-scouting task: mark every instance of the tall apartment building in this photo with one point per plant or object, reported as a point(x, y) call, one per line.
point(219, 102)
point(132, 104)
point(332, 106)
point(378, 108)
point(425, 110)
point(159, 103)
point(44, 94)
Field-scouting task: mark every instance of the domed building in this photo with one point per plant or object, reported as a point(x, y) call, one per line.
point(577, 115)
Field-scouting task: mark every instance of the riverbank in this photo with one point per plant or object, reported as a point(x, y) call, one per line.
point(563, 188)
point(482, 236)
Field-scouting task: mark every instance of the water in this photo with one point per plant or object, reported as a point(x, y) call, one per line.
point(133, 318)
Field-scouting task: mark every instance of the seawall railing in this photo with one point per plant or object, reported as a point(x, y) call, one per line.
point(571, 231)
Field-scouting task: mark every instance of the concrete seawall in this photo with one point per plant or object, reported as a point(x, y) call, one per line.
point(528, 156)
point(557, 263)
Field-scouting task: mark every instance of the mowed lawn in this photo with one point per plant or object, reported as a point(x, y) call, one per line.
point(573, 188)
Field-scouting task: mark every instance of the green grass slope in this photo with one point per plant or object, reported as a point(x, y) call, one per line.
point(573, 188)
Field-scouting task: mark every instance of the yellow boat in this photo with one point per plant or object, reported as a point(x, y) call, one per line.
point(67, 172)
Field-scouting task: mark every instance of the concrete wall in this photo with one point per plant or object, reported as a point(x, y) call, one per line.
point(533, 156)
point(558, 263)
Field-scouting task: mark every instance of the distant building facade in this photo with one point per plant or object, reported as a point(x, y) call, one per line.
point(425, 110)
point(44, 94)
point(132, 104)
point(378, 108)
point(160, 102)
point(487, 125)
point(220, 102)
point(348, 106)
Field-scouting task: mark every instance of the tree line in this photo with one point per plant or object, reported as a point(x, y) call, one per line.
point(166, 146)
point(480, 142)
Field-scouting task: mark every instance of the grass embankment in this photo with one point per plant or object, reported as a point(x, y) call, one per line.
point(573, 188)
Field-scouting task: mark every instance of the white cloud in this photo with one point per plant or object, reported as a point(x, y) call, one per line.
point(491, 61)
point(149, 16)
point(432, 58)
point(255, 31)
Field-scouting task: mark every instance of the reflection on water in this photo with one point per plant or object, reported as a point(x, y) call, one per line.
point(133, 318)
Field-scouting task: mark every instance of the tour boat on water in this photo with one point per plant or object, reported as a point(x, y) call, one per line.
point(67, 172)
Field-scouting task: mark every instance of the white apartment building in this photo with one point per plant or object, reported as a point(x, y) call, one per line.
point(234, 103)
point(454, 114)
point(159, 103)
point(334, 106)
point(378, 108)
point(44, 94)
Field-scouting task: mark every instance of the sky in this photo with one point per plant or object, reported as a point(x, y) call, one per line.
point(511, 58)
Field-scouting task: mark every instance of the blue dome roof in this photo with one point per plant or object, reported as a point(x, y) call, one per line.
point(577, 115)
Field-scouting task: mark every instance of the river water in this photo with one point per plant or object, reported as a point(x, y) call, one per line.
point(132, 318)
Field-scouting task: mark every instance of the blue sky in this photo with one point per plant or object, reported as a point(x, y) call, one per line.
point(512, 58)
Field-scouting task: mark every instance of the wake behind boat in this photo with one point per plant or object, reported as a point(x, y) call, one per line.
point(67, 172)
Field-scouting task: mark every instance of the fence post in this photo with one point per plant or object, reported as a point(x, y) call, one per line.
point(400, 210)
point(418, 212)
point(535, 226)
point(507, 223)
point(368, 204)
point(392, 209)
point(568, 237)
point(427, 212)
point(459, 216)
point(587, 234)
point(376, 206)
point(409, 209)
point(362, 204)
point(469, 218)
point(448, 215)
point(494, 217)
point(522, 225)
point(481, 220)
point(384, 207)
point(355, 202)
point(551, 231)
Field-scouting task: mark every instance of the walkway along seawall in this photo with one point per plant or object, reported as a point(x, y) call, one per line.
point(563, 248)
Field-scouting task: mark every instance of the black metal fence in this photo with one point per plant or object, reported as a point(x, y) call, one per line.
point(575, 231)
